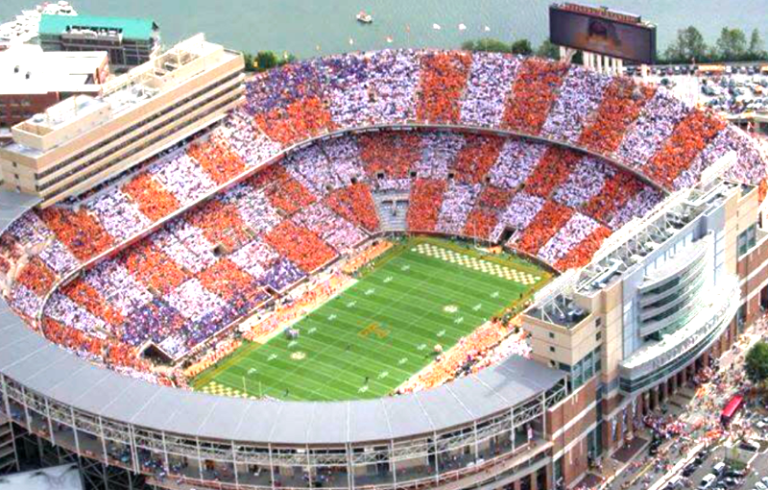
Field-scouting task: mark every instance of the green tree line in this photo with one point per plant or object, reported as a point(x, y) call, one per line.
point(689, 45)
point(521, 46)
point(732, 45)
point(266, 60)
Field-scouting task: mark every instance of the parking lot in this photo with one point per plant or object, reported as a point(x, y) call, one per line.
point(735, 90)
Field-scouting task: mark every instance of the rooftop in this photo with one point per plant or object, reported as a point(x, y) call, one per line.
point(27, 69)
point(119, 95)
point(622, 251)
point(137, 29)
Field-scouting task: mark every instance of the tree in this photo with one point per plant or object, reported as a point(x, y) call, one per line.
point(248, 60)
point(688, 45)
point(522, 46)
point(487, 45)
point(732, 45)
point(286, 59)
point(548, 50)
point(756, 46)
point(756, 363)
point(266, 60)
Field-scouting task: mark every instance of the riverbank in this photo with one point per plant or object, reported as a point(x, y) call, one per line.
point(309, 29)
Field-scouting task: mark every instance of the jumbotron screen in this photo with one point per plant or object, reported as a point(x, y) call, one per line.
point(603, 32)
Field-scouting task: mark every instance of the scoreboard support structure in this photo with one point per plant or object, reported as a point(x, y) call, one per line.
point(594, 61)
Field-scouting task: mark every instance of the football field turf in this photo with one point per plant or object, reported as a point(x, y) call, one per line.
point(379, 332)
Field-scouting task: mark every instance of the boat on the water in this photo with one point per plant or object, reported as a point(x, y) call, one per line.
point(25, 27)
point(364, 18)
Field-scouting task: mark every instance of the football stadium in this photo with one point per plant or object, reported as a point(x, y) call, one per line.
point(391, 269)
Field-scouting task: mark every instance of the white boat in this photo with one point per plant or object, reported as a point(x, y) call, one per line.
point(25, 27)
point(364, 18)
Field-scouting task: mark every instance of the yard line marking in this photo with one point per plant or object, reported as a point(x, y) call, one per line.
point(367, 312)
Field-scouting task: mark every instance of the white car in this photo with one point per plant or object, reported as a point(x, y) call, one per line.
point(708, 482)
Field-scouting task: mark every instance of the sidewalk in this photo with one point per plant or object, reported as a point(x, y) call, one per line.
point(633, 469)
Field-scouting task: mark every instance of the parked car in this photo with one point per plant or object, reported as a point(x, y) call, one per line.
point(690, 469)
point(708, 482)
point(719, 469)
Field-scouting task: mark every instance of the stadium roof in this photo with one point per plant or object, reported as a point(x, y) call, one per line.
point(13, 205)
point(138, 29)
point(48, 369)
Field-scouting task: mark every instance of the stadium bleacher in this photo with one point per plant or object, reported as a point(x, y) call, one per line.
point(229, 254)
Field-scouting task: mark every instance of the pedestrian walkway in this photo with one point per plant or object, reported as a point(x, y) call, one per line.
point(693, 412)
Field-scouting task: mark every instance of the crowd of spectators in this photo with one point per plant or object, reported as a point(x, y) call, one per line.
point(477, 156)
point(230, 252)
point(534, 90)
point(647, 134)
point(426, 200)
point(355, 204)
point(443, 77)
point(490, 80)
point(300, 246)
point(622, 102)
point(580, 95)
point(458, 201)
point(687, 141)
point(460, 359)
point(330, 227)
point(544, 227)
point(552, 170)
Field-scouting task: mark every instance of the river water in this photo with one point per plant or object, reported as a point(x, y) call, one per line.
point(312, 27)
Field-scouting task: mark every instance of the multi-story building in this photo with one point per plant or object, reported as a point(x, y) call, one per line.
point(129, 42)
point(663, 297)
point(34, 80)
point(78, 143)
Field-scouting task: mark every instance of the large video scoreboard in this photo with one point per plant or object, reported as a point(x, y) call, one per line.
point(602, 31)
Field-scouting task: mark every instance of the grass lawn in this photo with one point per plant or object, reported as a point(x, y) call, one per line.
point(378, 333)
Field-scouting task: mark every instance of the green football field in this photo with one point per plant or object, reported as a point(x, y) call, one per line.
point(379, 332)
